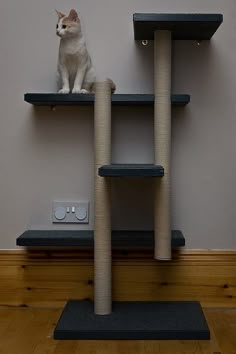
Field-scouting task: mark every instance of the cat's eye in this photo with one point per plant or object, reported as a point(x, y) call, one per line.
point(57, 25)
point(64, 26)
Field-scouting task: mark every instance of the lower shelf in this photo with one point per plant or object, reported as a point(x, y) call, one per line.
point(133, 320)
point(84, 238)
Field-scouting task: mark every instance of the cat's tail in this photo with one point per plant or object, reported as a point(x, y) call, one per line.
point(112, 85)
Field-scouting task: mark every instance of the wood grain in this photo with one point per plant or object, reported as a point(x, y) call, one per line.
point(29, 331)
point(49, 278)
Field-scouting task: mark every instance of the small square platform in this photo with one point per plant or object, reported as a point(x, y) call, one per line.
point(182, 26)
point(133, 320)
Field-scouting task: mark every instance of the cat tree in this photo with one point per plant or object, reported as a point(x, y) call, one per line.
point(135, 320)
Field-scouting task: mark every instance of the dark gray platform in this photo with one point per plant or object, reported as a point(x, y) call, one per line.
point(133, 320)
point(56, 99)
point(182, 26)
point(131, 170)
point(84, 238)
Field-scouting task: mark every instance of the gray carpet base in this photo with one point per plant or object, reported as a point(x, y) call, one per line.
point(133, 320)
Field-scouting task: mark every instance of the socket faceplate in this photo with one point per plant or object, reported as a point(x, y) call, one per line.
point(70, 212)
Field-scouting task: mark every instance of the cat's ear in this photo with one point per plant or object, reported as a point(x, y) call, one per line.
point(73, 16)
point(60, 14)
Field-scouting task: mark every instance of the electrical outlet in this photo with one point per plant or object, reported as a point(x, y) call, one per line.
point(70, 212)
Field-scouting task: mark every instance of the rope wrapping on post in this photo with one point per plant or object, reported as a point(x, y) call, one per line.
point(102, 223)
point(162, 143)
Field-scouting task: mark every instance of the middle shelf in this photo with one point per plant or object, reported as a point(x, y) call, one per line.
point(131, 170)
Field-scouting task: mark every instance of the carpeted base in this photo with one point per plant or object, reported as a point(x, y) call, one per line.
point(133, 320)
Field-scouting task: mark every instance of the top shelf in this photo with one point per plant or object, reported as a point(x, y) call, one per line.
point(182, 26)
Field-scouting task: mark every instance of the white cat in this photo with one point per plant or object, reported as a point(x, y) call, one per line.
point(74, 63)
point(75, 69)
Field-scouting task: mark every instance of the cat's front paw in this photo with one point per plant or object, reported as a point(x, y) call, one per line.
point(75, 90)
point(64, 90)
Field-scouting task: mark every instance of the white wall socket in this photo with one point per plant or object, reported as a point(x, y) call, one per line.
point(70, 212)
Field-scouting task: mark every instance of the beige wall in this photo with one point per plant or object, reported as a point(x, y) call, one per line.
point(47, 155)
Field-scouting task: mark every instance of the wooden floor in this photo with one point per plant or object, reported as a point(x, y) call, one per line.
point(29, 331)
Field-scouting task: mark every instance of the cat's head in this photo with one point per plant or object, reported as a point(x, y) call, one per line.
point(68, 26)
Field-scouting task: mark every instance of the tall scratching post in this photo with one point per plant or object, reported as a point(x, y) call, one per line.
point(162, 143)
point(102, 224)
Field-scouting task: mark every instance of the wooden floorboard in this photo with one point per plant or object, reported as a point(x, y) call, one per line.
point(29, 331)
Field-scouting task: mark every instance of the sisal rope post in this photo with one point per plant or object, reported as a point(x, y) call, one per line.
point(102, 223)
point(162, 143)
